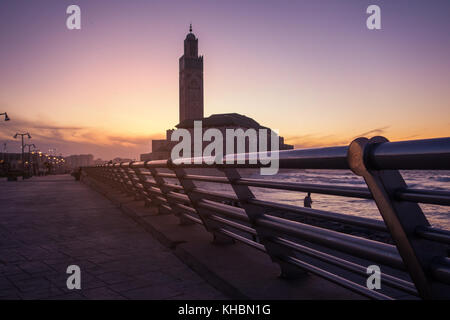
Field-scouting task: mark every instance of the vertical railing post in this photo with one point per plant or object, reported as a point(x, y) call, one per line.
point(161, 185)
point(143, 181)
point(112, 176)
point(118, 177)
point(402, 218)
point(210, 225)
point(124, 180)
point(275, 251)
point(134, 184)
point(109, 175)
point(109, 179)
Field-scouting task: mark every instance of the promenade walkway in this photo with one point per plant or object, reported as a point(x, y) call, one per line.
point(49, 223)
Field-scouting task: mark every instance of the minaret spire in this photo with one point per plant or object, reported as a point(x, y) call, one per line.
point(191, 79)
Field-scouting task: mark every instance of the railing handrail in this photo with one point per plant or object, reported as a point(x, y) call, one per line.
point(420, 249)
point(425, 154)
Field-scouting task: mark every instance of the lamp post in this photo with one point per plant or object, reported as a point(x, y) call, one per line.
point(29, 155)
point(4, 163)
point(29, 137)
point(29, 145)
point(4, 152)
point(6, 116)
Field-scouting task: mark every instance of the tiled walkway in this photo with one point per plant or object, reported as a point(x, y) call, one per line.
point(49, 223)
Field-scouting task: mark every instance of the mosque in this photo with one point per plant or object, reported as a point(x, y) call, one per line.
point(191, 104)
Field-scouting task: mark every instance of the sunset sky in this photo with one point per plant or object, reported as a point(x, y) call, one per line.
point(310, 69)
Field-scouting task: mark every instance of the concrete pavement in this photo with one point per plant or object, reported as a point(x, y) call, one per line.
point(49, 223)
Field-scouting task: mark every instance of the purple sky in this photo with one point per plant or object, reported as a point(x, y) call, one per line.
point(308, 68)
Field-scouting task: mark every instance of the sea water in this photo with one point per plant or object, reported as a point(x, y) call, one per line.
point(438, 216)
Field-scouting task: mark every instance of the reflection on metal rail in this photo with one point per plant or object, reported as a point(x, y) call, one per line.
point(414, 263)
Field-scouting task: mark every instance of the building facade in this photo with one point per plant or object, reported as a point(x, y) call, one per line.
point(191, 80)
point(191, 106)
point(79, 160)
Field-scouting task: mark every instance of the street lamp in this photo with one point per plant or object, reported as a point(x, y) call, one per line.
point(4, 152)
point(29, 154)
point(22, 135)
point(6, 116)
point(29, 146)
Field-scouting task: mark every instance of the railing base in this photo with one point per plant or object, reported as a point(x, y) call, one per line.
point(220, 239)
point(290, 272)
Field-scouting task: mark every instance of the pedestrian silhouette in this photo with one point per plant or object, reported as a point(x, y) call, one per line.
point(308, 201)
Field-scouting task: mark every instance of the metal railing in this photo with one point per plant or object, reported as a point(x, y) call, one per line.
point(414, 260)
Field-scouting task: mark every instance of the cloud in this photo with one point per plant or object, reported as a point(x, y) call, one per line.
point(76, 139)
point(48, 127)
point(108, 145)
point(314, 141)
point(373, 132)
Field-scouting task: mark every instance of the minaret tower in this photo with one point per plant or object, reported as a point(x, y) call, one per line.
point(191, 80)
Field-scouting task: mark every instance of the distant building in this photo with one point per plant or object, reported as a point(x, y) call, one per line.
point(35, 163)
point(145, 156)
point(11, 161)
point(226, 121)
point(160, 148)
point(191, 105)
point(79, 160)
